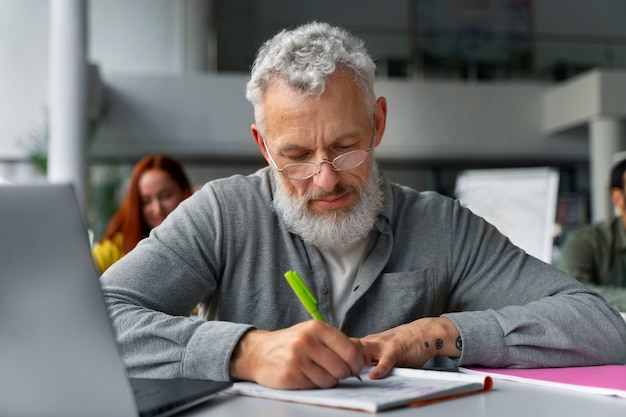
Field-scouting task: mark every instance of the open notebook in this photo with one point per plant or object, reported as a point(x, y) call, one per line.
point(58, 354)
point(402, 387)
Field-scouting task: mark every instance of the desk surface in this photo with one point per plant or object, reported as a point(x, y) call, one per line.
point(507, 398)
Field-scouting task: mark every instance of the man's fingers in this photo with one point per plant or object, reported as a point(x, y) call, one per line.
point(341, 356)
point(382, 368)
point(309, 355)
point(380, 353)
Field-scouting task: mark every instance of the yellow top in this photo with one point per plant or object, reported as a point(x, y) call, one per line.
point(107, 252)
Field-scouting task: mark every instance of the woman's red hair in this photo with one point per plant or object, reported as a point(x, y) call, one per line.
point(128, 219)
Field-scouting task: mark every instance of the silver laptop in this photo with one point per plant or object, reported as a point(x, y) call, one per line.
point(58, 354)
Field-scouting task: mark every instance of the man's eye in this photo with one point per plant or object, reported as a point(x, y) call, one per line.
point(338, 150)
point(299, 157)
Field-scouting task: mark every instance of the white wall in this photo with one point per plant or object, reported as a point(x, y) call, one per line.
point(136, 36)
point(191, 115)
point(469, 121)
point(195, 115)
point(23, 72)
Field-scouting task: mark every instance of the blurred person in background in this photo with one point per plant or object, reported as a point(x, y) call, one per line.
point(596, 254)
point(158, 184)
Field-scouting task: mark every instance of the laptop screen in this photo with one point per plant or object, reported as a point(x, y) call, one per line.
point(57, 346)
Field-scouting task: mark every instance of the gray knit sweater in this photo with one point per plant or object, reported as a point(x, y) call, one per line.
point(226, 249)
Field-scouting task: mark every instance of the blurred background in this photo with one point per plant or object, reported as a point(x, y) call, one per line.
point(471, 84)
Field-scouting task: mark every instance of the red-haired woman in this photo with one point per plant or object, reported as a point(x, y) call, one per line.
point(157, 185)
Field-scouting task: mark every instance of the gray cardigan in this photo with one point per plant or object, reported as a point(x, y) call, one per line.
point(226, 249)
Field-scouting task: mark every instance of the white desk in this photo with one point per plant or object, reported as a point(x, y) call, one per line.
point(507, 399)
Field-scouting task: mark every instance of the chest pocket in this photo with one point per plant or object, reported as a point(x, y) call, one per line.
point(395, 299)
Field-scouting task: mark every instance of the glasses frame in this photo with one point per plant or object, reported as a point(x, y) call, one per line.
point(323, 161)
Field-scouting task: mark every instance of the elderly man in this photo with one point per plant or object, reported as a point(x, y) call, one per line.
point(403, 278)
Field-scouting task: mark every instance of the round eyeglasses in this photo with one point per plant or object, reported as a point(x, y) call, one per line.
point(306, 170)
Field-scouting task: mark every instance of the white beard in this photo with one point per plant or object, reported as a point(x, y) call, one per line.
point(338, 228)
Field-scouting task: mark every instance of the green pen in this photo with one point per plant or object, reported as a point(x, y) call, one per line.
point(306, 297)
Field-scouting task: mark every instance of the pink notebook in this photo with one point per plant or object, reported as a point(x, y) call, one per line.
point(604, 380)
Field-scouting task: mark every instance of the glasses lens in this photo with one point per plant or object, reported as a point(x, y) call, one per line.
point(299, 171)
point(350, 160)
point(304, 170)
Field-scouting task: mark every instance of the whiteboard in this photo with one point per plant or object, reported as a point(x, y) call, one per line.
point(520, 202)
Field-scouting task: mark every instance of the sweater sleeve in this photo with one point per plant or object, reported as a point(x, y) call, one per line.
point(150, 301)
point(513, 310)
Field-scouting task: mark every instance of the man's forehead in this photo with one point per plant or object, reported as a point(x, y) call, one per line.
point(296, 142)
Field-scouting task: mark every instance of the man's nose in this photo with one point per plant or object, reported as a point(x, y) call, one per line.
point(326, 177)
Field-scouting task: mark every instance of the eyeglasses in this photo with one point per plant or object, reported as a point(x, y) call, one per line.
point(306, 170)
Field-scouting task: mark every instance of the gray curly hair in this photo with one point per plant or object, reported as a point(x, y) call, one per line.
point(304, 57)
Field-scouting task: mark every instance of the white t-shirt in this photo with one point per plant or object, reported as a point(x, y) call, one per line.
point(342, 266)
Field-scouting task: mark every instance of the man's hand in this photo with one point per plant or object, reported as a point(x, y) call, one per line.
point(311, 354)
point(411, 345)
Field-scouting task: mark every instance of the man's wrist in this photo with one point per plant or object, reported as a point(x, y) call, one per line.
point(240, 367)
point(444, 338)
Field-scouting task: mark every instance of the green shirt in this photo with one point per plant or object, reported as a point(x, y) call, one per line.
point(596, 256)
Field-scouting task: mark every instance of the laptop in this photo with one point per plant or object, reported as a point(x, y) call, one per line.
point(58, 353)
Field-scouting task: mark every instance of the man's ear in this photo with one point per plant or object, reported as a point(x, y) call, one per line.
point(256, 134)
point(381, 119)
